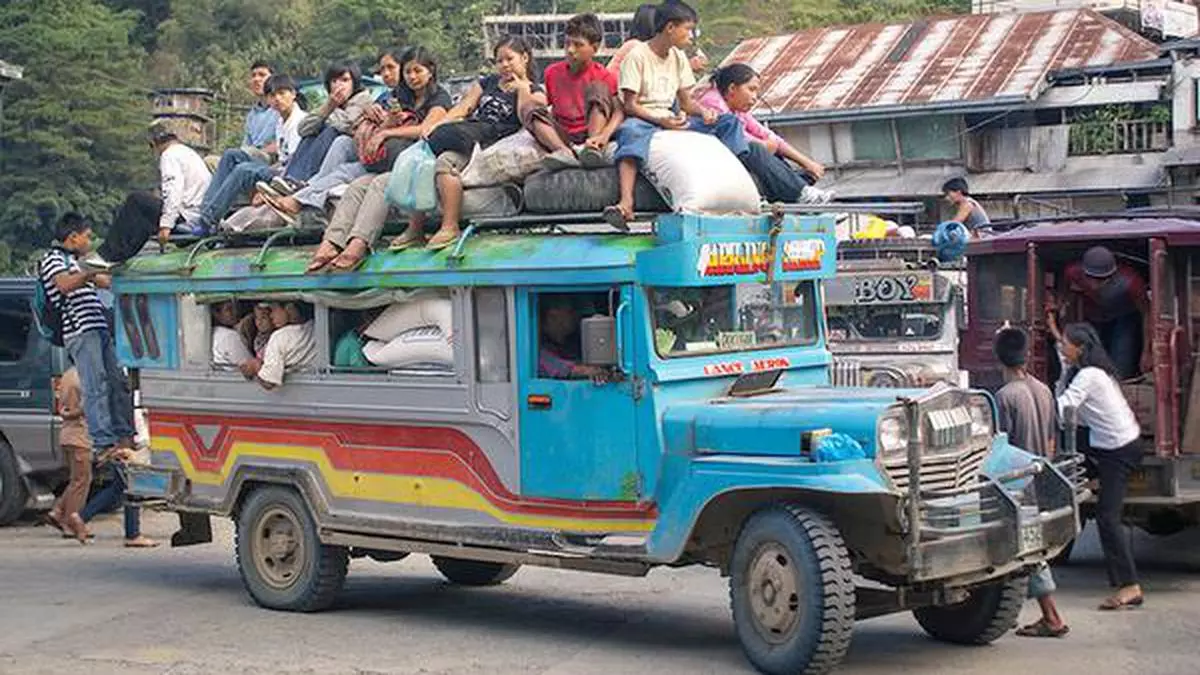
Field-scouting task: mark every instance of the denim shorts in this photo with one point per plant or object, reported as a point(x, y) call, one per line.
point(633, 140)
point(1041, 582)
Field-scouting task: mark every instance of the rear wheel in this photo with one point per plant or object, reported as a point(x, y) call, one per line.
point(988, 613)
point(792, 592)
point(474, 572)
point(13, 494)
point(282, 561)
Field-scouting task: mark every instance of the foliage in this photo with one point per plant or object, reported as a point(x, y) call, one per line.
point(74, 126)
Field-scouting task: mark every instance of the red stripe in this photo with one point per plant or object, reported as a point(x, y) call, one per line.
point(433, 452)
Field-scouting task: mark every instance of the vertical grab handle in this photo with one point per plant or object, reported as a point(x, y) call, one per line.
point(623, 359)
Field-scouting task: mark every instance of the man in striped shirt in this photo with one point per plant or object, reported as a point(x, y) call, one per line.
point(87, 335)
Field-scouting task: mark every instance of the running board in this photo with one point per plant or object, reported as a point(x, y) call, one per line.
point(555, 559)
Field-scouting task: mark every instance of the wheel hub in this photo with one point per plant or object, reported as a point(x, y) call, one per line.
point(774, 595)
point(279, 553)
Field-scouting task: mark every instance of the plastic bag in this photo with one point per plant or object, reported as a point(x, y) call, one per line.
point(412, 187)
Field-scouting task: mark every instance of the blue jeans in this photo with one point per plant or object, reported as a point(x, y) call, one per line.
point(633, 136)
point(728, 129)
point(306, 160)
point(236, 175)
point(778, 179)
point(110, 496)
point(107, 400)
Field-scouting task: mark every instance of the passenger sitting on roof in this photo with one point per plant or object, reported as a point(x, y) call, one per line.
point(967, 210)
point(292, 345)
point(229, 347)
point(486, 114)
point(417, 104)
point(785, 174)
point(655, 79)
point(238, 171)
point(560, 351)
point(1112, 296)
point(641, 29)
point(583, 98)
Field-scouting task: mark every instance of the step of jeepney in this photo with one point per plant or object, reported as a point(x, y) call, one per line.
point(620, 545)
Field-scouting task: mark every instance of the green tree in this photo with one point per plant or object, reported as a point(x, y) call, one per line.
point(74, 126)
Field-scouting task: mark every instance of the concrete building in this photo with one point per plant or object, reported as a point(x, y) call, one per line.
point(1043, 113)
point(1156, 19)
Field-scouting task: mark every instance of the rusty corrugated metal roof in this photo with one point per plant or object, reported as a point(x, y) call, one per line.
point(972, 58)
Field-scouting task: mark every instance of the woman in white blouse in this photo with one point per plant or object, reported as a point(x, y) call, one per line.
point(1114, 449)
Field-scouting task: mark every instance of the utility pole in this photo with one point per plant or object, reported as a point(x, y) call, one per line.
point(8, 74)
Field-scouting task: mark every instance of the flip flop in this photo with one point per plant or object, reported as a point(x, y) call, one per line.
point(50, 520)
point(404, 242)
point(615, 216)
point(288, 217)
point(437, 244)
point(1115, 603)
point(343, 267)
point(141, 542)
point(1041, 629)
point(319, 262)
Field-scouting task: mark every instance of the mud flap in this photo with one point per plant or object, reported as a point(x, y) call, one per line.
point(194, 528)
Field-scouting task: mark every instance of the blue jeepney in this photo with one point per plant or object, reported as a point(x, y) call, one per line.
point(601, 402)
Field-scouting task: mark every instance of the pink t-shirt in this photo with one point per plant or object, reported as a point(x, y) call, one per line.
point(711, 98)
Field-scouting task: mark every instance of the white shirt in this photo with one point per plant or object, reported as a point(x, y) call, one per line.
point(288, 348)
point(288, 134)
point(228, 347)
point(1102, 408)
point(185, 179)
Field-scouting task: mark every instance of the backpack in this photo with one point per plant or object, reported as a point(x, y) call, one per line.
point(47, 315)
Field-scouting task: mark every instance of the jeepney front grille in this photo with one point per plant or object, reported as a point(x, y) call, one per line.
point(944, 471)
point(846, 373)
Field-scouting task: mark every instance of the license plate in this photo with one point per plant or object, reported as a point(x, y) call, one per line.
point(1031, 537)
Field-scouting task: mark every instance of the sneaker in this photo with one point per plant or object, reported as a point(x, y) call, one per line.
point(561, 159)
point(94, 262)
point(192, 229)
point(268, 189)
point(813, 195)
point(286, 186)
point(589, 157)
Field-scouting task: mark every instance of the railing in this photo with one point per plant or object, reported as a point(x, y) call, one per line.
point(1109, 138)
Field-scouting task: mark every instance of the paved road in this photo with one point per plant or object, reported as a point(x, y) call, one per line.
point(104, 609)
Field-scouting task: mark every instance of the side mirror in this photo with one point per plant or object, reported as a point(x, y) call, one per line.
point(599, 337)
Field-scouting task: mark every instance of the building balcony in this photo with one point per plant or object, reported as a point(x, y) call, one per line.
point(1116, 138)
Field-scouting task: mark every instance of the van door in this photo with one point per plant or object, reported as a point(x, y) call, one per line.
point(26, 393)
point(578, 437)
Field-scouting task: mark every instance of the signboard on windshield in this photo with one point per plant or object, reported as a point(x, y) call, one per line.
point(885, 288)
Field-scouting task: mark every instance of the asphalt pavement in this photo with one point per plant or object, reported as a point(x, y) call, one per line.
point(66, 608)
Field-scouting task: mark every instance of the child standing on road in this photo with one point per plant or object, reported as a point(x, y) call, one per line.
point(77, 447)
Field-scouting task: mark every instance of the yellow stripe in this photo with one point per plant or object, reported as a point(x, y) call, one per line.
point(398, 489)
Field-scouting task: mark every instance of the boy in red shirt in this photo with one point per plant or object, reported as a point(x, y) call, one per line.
point(584, 112)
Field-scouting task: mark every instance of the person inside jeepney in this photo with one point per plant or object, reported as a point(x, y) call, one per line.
point(292, 345)
point(414, 105)
point(487, 113)
point(967, 210)
point(1113, 297)
point(1026, 412)
point(785, 174)
point(229, 347)
point(559, 348)
point(256, 328)
point(1114, 449)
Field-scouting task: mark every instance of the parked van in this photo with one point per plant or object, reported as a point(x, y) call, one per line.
point(31, 464)
point(598, 401)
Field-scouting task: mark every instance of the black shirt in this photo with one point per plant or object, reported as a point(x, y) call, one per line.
point(497, 106)
point(407, 99)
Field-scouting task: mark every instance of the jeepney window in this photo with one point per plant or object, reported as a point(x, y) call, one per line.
point(491, 335)
point(723, 319)
point(1000, 289)
point(414, 336)
point(560, 337)
point(859, 323)
point(16, 320)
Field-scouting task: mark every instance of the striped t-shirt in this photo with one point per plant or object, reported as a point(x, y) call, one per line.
point(81, 309)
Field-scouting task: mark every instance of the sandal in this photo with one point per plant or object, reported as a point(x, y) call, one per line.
point(141, 542)
point(406, 241)
point(287, 216)
point(320, 260)
point(1041, 629)
point(347, 262)
point(441, 241)
point(615, 215)
point(1115, 603)
point(53, 521)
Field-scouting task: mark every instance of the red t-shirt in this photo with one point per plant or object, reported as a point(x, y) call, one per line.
point(565, 91)
point(1107, 299)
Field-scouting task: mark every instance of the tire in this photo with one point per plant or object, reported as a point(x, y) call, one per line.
point(990, 612)
point(474, 572)
point(298, 573)
point(13, 493)
point(789, 549)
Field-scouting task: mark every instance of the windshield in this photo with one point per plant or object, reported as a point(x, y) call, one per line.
point(851, 323)
point(695, 321)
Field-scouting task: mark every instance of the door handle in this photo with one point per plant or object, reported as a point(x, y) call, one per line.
point(21, 394)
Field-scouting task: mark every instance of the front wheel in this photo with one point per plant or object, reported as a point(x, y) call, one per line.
point(283, 563)
point(988, 613)
point(12, 486)
point(792, 592)
point(474, 572)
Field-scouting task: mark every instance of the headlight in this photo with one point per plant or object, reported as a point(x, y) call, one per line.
point(892, 433)
point(982, 422)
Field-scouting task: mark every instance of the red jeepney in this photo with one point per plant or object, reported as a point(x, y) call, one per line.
point(1009, 277)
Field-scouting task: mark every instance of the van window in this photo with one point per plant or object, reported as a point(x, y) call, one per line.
point(491, 335)
point(560, 338)
point(235, 327)
point(1000, 288)
point(414, 336)
point(16, 322)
